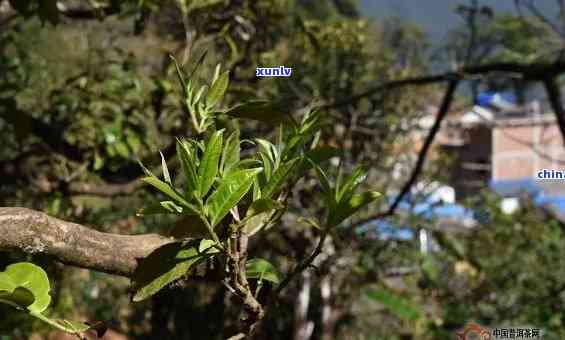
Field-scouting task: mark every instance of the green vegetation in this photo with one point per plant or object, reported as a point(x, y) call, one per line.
point(145, 117)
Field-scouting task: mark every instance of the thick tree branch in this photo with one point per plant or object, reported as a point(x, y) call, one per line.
point(34, 232)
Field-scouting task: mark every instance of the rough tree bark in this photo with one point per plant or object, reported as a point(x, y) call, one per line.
point(32, 232)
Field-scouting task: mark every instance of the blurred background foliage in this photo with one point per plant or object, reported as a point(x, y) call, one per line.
point(81, 101)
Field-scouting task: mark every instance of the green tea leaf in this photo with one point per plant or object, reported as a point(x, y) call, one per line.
point(279, 177)
point(188, 164)
point(242, 165)
point(208, 168)
point(311, 222)
point(353, 181)
point(262, 205)
point(146, 171)
point(262, 270)
point(218, 89)
point(166, 174)
point(252, 224)
point(315, 157)
point(180, 75)
point(261, 110)
point(324, 181)
point(207, 246)
point(163, 266)
point(168, 190)
point(164, 207)
point(229, 193)
point(345, 209)
point(230, 154)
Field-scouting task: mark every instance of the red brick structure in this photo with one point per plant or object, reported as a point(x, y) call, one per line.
point(522, 146)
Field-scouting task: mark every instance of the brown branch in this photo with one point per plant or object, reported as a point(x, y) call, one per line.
point(237, 252)
point(531, 71)
point(554, 96)
point(32, 232)
point(442, 113)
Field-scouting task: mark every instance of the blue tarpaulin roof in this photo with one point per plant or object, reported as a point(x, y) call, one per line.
point(427, 209)
point(513, 188)
point(510, 188)
point(488, 98)
point(434, 210)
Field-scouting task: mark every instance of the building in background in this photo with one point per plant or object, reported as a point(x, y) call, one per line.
point(501, 145)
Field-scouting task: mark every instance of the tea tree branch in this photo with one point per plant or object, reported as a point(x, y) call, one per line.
point(34, 232)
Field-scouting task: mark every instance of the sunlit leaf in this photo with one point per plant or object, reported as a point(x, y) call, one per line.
point(207, 246)
point(230, 154)
point(353, 181)
point(166, 174)
point(208, 168)
point(255, 223)
point(324, 181)
point(345, 209)
point(218, 89)
point(262, 205)
point(188, 164)
point(279, 177)
point(32, 279)
point(229, 193)
point(168, 190)
point(244, 164)
point(262, 270)
point(180, 75)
